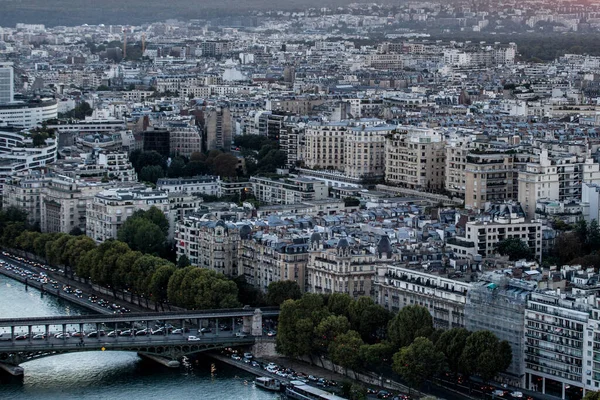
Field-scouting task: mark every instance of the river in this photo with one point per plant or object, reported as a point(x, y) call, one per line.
point(112, 375)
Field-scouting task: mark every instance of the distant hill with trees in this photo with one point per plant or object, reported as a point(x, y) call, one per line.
point(135, 12)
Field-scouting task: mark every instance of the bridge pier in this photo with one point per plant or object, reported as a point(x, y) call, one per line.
point(12, 370)
point(161, 360)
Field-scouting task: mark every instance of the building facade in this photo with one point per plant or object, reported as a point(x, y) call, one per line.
point(109, 209)
point(415, 158)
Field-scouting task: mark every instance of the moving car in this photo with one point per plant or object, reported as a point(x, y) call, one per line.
point(193, 338)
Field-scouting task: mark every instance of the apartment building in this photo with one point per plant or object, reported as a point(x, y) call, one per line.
point(209, 244)
point(288, 190)
point(497, 304)
point(397, 286)
point(457, 150)
point(500, 222)
point(109, 209)
point(345, 268)
point(63, 203)
point(415, 158)
point(202, 184)
point(24, 192)
point(266, 258)
point(218, 133)
point(489, 177)
point(185, 137)
point(555, 178)
point(562, 344)
point(325, 145)
point(364, 151)
point(18, 153)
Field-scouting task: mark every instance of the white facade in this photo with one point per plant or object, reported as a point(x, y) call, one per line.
point(28, 115)
point(210, 185)
point(6, 82)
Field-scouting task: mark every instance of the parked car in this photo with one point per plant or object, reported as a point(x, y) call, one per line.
point(193, 338)
point(126, 333)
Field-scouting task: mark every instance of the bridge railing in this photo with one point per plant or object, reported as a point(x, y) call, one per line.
point(73, 319)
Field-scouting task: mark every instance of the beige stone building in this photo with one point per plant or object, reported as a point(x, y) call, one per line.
point(272, 258)
point(63, 203)
point(185, 137)
point(25, 192)
point(209, 244)
point(415, 158)
point(489, 177)
point(324, 148)
point(364, 151)
point(398, 286)
point(217, 129)
point(344, 268)
point(109, 209)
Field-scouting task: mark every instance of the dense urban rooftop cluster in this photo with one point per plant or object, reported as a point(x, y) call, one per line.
point(292, 145)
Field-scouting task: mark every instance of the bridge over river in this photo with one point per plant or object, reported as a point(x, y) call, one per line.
point(18, 342)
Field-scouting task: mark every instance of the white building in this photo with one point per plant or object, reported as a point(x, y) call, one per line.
point(17, 153)
point(6, 83)
point(207, 184)
point(28, 114)
point(288, 190)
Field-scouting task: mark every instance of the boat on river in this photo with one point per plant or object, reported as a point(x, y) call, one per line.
point(268, 383)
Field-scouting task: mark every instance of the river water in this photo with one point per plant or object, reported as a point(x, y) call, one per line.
point(112, 375)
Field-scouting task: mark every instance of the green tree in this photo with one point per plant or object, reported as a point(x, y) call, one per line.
point(345, 349)
point(373, 321)
point(410, 322)
point(452, 343)
point(151, 173)
point(157, 217)
point(589, 395)
point(330, 328)
point(567, 247)
point(593, 236)
point(515, 249)
point(339, 304)
point(177, 168)
point(125, 277)
point(297, 321)
point(183, 261)
point(581, 229)
point(418, 362)
point(279, 291)
point(351, 202)
point(225, 165)
point(26, 241)
point(356, 310)
point(159, 283)
point(483, 355)
point(248, 294)
point(75, 249)
point(148, 238)
point(376, 355)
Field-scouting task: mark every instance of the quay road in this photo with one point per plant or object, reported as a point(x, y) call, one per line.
point(56, 290)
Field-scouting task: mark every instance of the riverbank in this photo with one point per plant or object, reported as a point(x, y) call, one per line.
point(62, 280)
